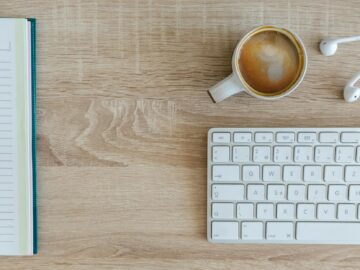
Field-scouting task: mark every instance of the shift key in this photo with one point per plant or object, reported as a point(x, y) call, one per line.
point(225, 173)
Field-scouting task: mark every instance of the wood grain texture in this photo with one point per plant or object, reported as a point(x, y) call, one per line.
point(123, 113)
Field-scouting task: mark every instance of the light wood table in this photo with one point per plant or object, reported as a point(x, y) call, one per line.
point(123, 114)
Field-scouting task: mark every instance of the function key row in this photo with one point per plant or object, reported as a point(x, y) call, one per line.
point(286, 137)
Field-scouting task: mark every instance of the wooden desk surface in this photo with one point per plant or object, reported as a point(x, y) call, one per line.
point(123, 115)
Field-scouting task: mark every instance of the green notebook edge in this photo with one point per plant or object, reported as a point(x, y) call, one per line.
point(33, 112)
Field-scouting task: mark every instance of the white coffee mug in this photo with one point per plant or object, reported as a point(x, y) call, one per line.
point(236, 83)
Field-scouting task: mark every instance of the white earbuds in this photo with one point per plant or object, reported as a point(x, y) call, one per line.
point(352, 93)
point(329, 46)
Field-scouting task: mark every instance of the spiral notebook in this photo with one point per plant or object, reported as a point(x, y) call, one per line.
point(17, 137)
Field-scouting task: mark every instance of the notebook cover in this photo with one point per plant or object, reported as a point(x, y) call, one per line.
point(33, 100)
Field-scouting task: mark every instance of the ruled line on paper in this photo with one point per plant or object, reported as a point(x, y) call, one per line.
point(8, 47)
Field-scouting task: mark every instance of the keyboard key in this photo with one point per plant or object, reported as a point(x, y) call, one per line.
point(245, 211)
point(333, 174)
point(221, 137)
point(223, 210)
point(220, 153)
point(256, 192)
point(279, 231)
point(285, 211)
point(316, 193)
point(227, 192)
point(324, 154)
point(275, 192)
point(265, 211)
point(325, 211)
point(263, 137)
point(224, 230)
point(252, 230)
point(251, 173)
point(352, 173)
point(271, 173)
point(345, 154)
point(241, 153)
point(296, 192)
point(323, 232)
point(282, 154)
point(337, 192)
point(346, 211)
point(242, 137)
point(225, 173)
point(306, 137)
point(285, 137)
point(328, 137)
point(305, 211)
point(292, 173)
point(350, 137)
point(354, 193)
point(358, 154)
point(261, 153)
point(312, 173)
point(303, 154)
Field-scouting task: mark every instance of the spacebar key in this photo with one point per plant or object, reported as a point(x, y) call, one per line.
point(331, 232)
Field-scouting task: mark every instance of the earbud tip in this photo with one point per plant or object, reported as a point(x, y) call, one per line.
point(351, 93)
point(328, 47)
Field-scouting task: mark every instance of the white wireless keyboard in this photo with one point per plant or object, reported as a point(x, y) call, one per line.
point(284, 185)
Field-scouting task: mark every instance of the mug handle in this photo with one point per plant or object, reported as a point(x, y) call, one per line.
point(226, 88)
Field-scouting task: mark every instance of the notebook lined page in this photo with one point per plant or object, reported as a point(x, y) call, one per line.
point(9, 236)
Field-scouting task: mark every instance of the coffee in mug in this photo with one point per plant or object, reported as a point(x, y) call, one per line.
point(269, 62)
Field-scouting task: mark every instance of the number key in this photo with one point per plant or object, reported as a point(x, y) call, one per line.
point(344, 154)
